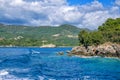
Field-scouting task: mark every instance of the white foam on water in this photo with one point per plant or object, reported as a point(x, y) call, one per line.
point(86, 78)
point(41, 78)
point(19, 70)
point(35, 52)
point(12, 77)
point(4, 75)
point(81, 56)
point(3, 72)
point(45, 78)
point(112, 58)
point(51, 79)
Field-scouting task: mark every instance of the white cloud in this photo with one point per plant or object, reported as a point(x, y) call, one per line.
point(94, 6)
point(56, 12)
point(117, 2)
point(93, 19)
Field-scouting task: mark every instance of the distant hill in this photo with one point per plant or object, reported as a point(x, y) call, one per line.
point(63, 35)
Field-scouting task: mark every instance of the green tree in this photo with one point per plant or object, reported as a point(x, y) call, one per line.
point(111, 30)
point(84, 38)
point(97, 38)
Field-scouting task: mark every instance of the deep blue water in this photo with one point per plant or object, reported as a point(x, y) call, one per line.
point(45, 64)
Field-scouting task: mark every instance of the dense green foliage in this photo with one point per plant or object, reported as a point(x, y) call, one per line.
point(90, 38)
point(64, 35)
point(84, 38)
point(111, 30)
point(107, 32)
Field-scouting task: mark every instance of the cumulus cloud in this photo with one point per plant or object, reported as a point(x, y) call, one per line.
point(56, 12)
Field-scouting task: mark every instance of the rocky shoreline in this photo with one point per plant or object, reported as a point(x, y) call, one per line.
point(104, 50)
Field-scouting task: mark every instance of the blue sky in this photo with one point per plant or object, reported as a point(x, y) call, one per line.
point(83, 2)
point(81, 13)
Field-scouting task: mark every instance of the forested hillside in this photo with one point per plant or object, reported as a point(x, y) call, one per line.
point(64, 35)
point(107, 32)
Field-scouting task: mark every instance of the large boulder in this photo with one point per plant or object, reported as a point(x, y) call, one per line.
point(79, 50)
point(106, 48)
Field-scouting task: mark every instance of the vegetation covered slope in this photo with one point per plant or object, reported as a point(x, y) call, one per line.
point(107, 32)
point(64, 35)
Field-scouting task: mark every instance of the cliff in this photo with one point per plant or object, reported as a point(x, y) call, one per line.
point(104, 50)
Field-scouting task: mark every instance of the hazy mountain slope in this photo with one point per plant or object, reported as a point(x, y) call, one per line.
point(64, 35)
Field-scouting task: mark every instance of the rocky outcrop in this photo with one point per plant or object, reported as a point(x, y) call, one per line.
point(104, 50)
point(60, 53)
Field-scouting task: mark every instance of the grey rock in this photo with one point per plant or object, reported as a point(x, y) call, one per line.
point(107, 49)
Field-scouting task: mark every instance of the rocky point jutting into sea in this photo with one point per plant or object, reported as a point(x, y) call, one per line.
point(104, 50)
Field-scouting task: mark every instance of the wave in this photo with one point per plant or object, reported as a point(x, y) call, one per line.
point(3, 72)
point(33, 51)
point(45, 78)
point(112, 58)
point(5, 75)
point(15, 61)
point(18, 70)
point(41, 77)
point(81, 56)
point(1, 61)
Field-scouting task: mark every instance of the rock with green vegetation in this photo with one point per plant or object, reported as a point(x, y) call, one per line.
point(104, 50)
point(103, 42)
point(107, 32)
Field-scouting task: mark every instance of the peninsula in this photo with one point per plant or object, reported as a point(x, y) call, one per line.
point(103, 42)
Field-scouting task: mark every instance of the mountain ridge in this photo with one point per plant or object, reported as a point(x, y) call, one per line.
point(17, 35)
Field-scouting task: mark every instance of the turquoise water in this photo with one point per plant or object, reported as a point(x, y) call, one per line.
point(45, 64)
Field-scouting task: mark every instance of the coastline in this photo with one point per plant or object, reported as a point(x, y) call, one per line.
point(68, 53)
point(104, 50)
point(82, 56)
point(35, 47)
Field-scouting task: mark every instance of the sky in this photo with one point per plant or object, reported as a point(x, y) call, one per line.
point(81, 13)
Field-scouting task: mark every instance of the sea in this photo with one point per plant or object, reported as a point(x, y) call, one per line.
point(23, 63)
